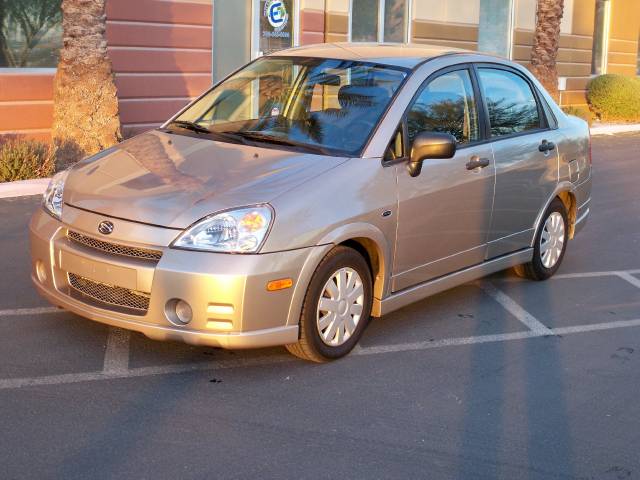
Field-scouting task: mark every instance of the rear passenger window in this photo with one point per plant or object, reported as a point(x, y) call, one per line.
point(447, 105)
point(511, 103)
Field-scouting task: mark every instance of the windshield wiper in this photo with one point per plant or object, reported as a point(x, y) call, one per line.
point(266, 138)
point(193, 126)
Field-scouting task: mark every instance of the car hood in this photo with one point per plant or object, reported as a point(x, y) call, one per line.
point(174, 180)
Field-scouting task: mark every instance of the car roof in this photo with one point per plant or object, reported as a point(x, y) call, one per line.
point(406, 55)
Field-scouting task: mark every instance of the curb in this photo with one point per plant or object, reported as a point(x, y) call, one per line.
point(613, 129)
point(23, 188)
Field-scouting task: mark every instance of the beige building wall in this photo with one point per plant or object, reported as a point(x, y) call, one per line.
point(443, 22)
point(312, 19)
point(576, 44)
point(337, 20)
point(623, 37)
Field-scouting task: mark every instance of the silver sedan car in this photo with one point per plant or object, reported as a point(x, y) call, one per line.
point(312, 189)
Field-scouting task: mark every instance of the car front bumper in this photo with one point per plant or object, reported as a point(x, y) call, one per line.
point(230, 304)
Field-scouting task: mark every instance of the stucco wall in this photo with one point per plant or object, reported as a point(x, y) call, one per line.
point(161, 54)
point(26, 105)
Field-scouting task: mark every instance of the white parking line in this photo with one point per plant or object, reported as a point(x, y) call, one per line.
point(515, 309)
point(13, 383)
point(564, 276)
point(116, 360)
point(116, 356)
point(629, 278)
point(16, 312)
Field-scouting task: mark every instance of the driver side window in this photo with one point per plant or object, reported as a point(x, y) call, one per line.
point(447, 104)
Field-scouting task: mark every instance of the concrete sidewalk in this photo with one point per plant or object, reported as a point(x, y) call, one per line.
point(613, 128)
point(23, 188)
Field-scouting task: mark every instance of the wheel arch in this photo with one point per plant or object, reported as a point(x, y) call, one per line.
point(565, 192)
point(372, 244)
point(568, 198)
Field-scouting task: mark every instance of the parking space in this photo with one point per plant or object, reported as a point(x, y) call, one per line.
point(572, 301)
point(501, 378)
point(57, 344)
point(462, 312)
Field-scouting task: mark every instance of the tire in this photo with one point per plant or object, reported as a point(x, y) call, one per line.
point(316, 341)
point(542, 267)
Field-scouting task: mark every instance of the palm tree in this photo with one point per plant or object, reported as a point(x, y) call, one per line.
point(86, 116)
point(546, 42)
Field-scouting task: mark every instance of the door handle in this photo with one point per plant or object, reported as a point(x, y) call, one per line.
point(477, 162)
point(545, 146)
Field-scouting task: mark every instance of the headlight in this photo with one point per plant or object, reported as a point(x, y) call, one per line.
point(235, 231)
point(52, 198)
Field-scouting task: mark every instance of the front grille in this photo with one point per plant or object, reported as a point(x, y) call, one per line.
point(113, 248)
point(118, 296)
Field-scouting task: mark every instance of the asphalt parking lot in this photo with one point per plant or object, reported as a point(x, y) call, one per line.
point(501, 378)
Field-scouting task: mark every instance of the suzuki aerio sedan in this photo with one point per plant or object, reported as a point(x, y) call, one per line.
point(313, 189)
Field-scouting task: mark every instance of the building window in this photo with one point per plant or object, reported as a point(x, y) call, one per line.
point(380, 20)
point(601, 37)
point(30, 33)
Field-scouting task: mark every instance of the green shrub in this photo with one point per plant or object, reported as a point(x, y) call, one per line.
point(581, 112)
point(22, 159)
point(615, 98)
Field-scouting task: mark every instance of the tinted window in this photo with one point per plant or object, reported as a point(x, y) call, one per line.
point(446, 104)
point(512, 105)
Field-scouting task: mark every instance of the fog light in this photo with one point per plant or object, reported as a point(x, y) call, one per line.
point(41, 271)
point(178, 312)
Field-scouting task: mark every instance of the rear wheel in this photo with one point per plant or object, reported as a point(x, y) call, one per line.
point(550, 244)
point(336, 307)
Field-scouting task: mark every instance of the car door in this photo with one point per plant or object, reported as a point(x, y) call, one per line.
point(525, 153)
point(445, 212)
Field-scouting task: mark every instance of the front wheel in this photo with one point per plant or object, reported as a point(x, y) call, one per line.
point(336, 307)
point(550, 244)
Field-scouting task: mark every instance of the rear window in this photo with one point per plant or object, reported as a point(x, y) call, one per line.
point(512, 105)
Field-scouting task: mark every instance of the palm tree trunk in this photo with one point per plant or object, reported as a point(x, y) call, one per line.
point(86, 116)
point(546, 42)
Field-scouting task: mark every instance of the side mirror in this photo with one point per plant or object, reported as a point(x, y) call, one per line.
point(430, 145)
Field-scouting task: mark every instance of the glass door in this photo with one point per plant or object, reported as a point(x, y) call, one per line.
point(275, 26)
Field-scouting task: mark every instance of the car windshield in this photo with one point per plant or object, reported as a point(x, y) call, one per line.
point(314, 104)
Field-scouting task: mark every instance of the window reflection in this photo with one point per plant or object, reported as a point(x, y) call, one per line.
point(511, 103)
point(395, 21)
point(364, 21)
point(30, 33)
point(446, 105)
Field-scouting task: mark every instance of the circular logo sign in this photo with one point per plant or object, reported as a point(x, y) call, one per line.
point(276, 14)
point(105, 227)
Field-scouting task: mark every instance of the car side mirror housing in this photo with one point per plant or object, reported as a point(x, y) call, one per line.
point(429, 145)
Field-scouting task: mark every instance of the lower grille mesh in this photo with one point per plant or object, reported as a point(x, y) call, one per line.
point(121, 297)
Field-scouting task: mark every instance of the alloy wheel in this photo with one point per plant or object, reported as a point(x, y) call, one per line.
point(552, 240)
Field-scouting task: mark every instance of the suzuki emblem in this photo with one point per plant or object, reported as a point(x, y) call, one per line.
point(105, 227)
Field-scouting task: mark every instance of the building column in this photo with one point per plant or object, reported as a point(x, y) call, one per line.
point(495, 30)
